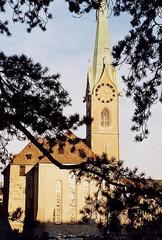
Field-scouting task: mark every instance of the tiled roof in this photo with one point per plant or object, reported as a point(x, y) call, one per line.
point(73, 151)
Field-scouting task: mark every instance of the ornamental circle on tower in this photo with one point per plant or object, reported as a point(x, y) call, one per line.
point(105, 92)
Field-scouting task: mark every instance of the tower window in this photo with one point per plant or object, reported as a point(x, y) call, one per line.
point(105, 118)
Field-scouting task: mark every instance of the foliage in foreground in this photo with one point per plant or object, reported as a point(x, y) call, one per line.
point(122, 197)
point(140, 49)
point(30, 98)
point(31, 104)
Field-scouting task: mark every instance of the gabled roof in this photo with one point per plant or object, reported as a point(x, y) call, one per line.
point(71, 151)
point(22, 158)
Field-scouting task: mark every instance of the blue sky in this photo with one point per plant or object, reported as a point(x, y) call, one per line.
point(67, 47)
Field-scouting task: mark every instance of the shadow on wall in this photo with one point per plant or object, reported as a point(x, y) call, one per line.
point(6, 233)
point(31, 194)
point(33, 230)
point(48, 230)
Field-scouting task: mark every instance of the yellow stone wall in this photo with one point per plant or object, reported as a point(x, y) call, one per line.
point(48, 176)
point(17, 191)
point(44, 195)
point(104, 139)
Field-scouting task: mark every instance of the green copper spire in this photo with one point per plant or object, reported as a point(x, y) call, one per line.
point(102, 53)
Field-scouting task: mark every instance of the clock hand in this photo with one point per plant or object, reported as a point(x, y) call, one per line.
point(105, 94)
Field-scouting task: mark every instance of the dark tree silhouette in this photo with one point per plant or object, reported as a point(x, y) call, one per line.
point(31, 104)
point(122, 196)
point(32, 12)
point(141, 49)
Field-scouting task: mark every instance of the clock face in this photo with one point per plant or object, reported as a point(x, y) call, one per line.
point(105, 92)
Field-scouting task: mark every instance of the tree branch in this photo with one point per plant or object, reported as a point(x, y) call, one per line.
point(44, 150)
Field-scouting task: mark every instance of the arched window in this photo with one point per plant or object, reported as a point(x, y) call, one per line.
point(72, 198)
point(105, 118)
point(86, 191)
point(58, 212)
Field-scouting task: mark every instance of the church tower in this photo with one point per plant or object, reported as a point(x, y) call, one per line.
point(102, 94)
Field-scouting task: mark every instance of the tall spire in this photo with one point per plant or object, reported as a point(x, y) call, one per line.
point(102, 98)
point(102, 53)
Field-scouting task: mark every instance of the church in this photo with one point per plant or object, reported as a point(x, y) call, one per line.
point(34, 187)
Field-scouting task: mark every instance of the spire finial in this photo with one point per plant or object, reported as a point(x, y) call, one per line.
point(102, 43)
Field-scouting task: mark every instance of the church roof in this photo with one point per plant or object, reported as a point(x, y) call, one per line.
point(71, 151)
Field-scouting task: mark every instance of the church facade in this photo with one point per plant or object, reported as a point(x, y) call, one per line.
point(36, 190)
point(34, 187)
